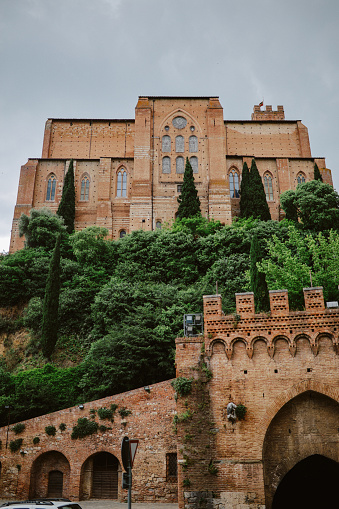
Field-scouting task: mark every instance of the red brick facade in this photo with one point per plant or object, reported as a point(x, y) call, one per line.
point(282, 366)
point(151, 149)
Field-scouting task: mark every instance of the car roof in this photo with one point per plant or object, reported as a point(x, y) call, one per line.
point(58, 502)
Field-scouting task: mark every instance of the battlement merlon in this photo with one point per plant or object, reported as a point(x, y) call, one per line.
point(268, 113)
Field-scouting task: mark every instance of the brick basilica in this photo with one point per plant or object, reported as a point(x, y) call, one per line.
point(128, 172)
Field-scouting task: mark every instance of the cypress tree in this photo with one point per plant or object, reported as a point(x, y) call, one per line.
point(259, 205)
point(189, 203)
point(257, 279)
point(66, 207)
point(245, 196)
point(317, 174)
point(49, 329)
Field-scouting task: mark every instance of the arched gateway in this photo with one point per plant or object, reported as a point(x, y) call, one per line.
point(300, 454)
point(100, 477)
point(50, 475)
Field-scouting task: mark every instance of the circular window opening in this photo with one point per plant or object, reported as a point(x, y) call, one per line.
point(192, 128)
point(166, 127)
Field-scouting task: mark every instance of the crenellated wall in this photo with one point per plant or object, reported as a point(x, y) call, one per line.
point(283, 366)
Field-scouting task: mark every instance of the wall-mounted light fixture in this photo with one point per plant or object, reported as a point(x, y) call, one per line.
point(147, 388)
point(81, 407)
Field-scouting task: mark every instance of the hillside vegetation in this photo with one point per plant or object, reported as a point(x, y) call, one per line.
point(122, 302)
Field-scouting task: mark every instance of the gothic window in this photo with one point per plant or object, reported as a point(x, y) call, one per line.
point(166, 164)
point(193, 144)
point(301, 178)
point(158, 225)
point(180, 165)
point(194, 164)
point(84, 192)
point(171, 467)
point(234, 183)
point(122, 183)
point(166, 143)
point(122, 233)
point(268, 186)
point(180, 144)
point(51, 185)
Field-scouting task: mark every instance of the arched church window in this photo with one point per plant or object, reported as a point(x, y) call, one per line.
point(268, 186)
point(158, 225)
point(51, 186)
point(166, 143)
point(122, 233)
point(180, 144)
point(122, 183)
point(84, 191)
point(194, 164)
point(166, 164)
point(180, 165)
point(193, 144)
point(301, 178)
point(234, 183)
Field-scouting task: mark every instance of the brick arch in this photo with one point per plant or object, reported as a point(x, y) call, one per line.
point(178, 112)
point(312, 411)
point(286, 396)
point(43, 464)
point(217, 340)
point(109, 482)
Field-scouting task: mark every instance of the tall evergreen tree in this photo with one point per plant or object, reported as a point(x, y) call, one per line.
point(317, 174)
point(49, 328)
point(66, 207)
point(259, 205)
point(189, 203)
point(257, 278)
point(245, 196)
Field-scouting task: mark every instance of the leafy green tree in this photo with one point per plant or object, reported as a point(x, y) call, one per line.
point(49, 329)
point(245, 194)
point(40, 228)
point(259, 205)
point(317, 205)
point(317, 174)
point(288, 204)
point(290, 262)
point(66, 208)
point(189, 203)
point(257, 278)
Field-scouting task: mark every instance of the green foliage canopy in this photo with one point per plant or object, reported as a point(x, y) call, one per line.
point(66, 208)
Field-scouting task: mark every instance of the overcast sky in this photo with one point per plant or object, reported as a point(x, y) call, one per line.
point(93, 58)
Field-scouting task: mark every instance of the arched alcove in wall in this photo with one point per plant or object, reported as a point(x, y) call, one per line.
point(305, 426)
point(50, 476)
point(100, 477)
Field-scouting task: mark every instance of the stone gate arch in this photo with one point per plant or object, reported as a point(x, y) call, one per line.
point(306, 426)
point(50, 476)
point(100, 477)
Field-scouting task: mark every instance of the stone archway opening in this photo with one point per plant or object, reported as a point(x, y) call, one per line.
point(100, 477)
point(312, 483)
point(305, 427)
point(50, 476)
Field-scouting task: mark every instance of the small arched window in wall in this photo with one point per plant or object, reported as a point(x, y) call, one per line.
point(193, 144)
point(158, 225)
point(180, 144)
point(180, 165)
point(166, 164)
point(234, 183)
point(122, 233)
point(301, 178)
point(122, 183)
point(84, 191)
point(51, 186)
point(194, 164)
point(166, 143)
point(268, 186)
